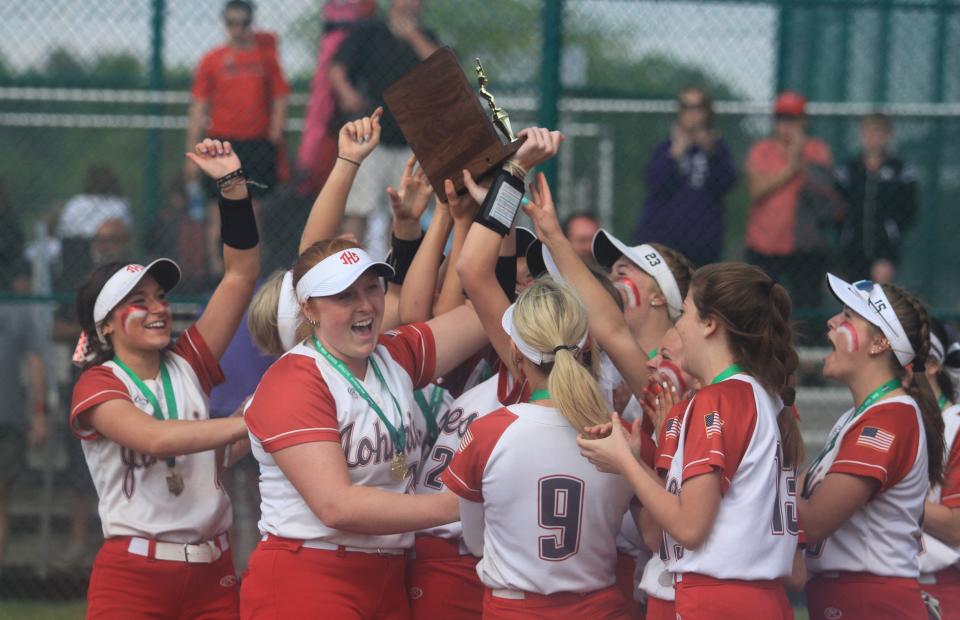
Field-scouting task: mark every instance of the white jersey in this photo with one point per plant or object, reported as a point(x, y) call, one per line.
point(303, 399)
point(134, 497)
point(731, 427)
point(886, 443)
point(472, 404)
point(936, 555)
point(547, 519)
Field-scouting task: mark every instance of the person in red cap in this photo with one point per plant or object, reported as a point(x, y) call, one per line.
point(780, 169)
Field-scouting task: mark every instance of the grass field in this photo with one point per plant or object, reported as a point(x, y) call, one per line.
point(42, 611)
point(74, 611)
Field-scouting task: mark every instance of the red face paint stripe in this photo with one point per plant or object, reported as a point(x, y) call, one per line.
point(850, 334)
point(132, 313)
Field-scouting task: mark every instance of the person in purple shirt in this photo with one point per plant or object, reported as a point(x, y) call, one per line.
point(242, 365)
point(686, 179)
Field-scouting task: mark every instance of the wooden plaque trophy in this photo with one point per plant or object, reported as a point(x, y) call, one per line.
point(444, 123)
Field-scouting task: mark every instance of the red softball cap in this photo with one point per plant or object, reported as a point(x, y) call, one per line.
point(790, 103)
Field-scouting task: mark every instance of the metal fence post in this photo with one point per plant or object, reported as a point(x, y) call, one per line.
point(931, 224)
point(550, 76)
point(784, 31)
point(151, 172)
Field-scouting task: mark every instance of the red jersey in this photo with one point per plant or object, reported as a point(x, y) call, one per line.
point(239, 86)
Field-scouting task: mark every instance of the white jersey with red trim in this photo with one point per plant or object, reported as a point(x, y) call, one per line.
point(134, 498)
point(731, 427)
point(303, 399)
point(545, 518)
point(936, 554)
point(657, 580)
point(477, 402)
point(885, 443)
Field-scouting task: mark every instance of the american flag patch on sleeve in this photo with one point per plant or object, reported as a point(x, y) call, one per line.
point(673, 428)
point(713, 423)
point(466, 441)
point(876, 438)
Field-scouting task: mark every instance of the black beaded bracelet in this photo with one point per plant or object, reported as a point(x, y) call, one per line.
point(226, 179)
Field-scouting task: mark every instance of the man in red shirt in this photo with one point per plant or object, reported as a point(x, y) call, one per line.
point(240, 95)
point(780, 169)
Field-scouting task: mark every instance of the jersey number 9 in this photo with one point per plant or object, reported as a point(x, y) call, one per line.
point(560, 499)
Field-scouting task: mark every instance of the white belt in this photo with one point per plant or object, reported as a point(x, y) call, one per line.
point(328, 546)
point(206, 552)
point(516, 595)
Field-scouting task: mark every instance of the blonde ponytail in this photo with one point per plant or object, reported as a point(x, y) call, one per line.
point(550, 318)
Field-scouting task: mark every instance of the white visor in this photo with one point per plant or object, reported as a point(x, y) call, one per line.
point(537, 357)
point(288, 311)
point(869, 301)
point(337, 272)
point(165, 272)
point(936, 349)
point(607, 249)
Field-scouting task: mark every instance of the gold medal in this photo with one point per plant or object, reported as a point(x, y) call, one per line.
point(175, 483)
point(398, 468)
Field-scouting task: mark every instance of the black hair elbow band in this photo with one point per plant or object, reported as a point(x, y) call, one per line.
point(401, 256)
point(506, 271)
point(238, 225)
point(500, 207)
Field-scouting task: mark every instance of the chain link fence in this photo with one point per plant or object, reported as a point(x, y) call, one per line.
point(95, 109)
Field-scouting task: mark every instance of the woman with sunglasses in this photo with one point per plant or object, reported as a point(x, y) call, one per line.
point(863, 497)
point(140, 408)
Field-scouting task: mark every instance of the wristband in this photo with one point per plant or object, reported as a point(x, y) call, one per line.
point(238, 225)
point(506, 271)
point(401, 256)
point(501, 204)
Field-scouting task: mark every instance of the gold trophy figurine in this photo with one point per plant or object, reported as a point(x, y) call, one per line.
point(500, 118)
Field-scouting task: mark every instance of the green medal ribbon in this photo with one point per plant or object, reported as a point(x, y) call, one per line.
point(652, 354)
point(728, 372)
point(397, 436)
point(151, 397)
point(871, 398)
point(539, 395)
point(430, 410)
point(943, 402)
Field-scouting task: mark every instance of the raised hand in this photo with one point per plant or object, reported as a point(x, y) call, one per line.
point(411, 200)
point(358, 138)
point(461, 207)
point(541, 145)
point(214, 157)
point(541, 211)
point(610, 453)
point(477, 191)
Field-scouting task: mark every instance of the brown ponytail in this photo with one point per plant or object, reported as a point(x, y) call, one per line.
point(755, 311)
point(915, 320)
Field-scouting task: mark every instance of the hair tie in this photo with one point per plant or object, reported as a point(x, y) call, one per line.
point(569, 347)
point(919, 365)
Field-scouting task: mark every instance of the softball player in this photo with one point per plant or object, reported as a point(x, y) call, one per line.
point(334, 427)
point(544, 519)
point(442, 577)
point(939, 574)
point(140, 408)
point(731, 476)
point(863, 496)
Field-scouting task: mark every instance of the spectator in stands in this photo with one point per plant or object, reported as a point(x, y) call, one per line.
point(241, 88)
point(779, 169)
point(880, 192)
point(111, 242)
point(100, 200)
point(376, 54)
point(579, 228)
point(23, 415)
point(686, 179)
point(318, 144)
point(177, 234)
